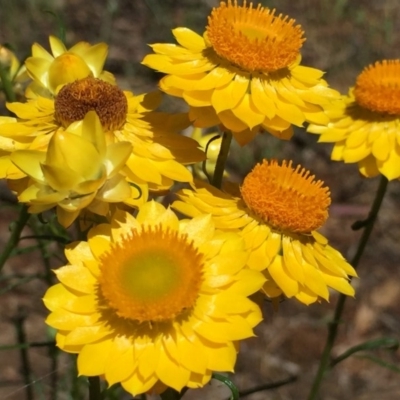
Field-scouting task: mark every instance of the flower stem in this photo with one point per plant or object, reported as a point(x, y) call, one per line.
point(170, 394)
point(94, 388)
point(333, 326)
point(15, 234)
point(221, 160)
point(7, 85)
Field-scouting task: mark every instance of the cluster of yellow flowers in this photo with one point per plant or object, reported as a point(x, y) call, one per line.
point(150, 300)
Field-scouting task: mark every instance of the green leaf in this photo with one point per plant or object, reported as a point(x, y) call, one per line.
point(380, 362)
point(226, 381)
point(382, 343)
point(60, 25)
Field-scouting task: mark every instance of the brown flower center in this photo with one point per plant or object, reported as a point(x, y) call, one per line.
point(76, 99)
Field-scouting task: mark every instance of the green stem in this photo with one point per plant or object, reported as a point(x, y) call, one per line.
point(94, 388)
point(14, 237)
point(7, 85)
point(334, 324)
point(221, 160)
point(25, 363)
point(170, 394)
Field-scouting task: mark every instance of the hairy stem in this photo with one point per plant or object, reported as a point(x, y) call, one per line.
point(334, 324)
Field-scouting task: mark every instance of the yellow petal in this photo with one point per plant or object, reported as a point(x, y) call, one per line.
point(93, 357)
point(56, 296)
point(280, 275)
point(85, 335)
point(261, 100)
point(171, 373)
point(189, 39)
point(151, 212)
point(137, 384)
point(29, 162)
point(57, 46)
point(67, 275)
point(247, 112)
point(228, 96)
point(192, 357)
point(121, 357)
point(391, 167)
point(217, 77)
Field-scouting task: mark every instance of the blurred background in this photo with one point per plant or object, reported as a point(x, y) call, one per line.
point(343, 36)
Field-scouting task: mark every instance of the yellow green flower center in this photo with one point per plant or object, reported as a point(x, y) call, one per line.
point(287, 199)
point(378, 87)
point(151, 276)
point(76, 99)
point(254, 39)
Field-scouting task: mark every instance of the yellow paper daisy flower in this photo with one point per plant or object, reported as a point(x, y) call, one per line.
point(244, 72)
point(159, 154)
point(79, 171)
point(365, 125)
point(11, 65)
point(159, 302)
point(278, 210)
point(53, 70)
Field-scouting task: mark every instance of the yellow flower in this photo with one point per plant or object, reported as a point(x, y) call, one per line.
point(244, 72)
point(158, 156)
point(158, 302)
point(62, 65)
point(278, 211)
point(78, 171)
point(10, 63)
point(365, 125)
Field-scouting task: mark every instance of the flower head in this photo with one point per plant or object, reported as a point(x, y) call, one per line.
point(278, 210)
point(159, 303)
point(159, 153)
point(10, 63)
point(365, 124)
point(78, 171)
point(244, 73)
point(53, 70)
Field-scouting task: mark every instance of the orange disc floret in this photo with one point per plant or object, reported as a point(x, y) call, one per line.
point(288, 199)
point(378, 87)
point(155, 275)
point(254, 39)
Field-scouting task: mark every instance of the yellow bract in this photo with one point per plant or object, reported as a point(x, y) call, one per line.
point(79, 170)
point(224, 80)
point(114, 316)
point(365, 124)
point(159, 152)
point(62, 65)
point(296, 261)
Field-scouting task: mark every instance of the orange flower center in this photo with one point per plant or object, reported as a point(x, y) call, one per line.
point(151, 276)
point(287, 199)
point(378, 87)
point(254, 39)
point(76, 99)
